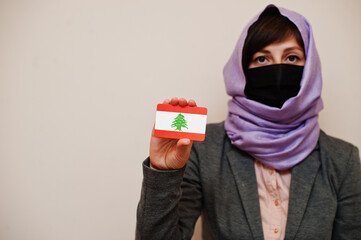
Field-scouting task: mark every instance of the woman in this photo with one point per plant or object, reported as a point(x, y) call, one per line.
point(268, 171)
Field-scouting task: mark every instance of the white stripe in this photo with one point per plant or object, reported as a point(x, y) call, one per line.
point(196, 122)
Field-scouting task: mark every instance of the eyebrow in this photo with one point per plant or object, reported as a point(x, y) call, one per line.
point(286, 50)
point(263, 51)
point(293, 48)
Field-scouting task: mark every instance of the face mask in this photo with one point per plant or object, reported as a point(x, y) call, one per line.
point(273, 84)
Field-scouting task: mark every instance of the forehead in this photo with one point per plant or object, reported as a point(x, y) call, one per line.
point(289, 43)
point(301, 23)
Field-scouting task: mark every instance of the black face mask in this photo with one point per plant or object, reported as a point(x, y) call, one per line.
point(273, 84)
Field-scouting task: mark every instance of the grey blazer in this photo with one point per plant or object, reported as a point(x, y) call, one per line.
point(219, 182)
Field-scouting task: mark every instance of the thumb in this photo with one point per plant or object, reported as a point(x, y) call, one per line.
point(184, 144)
point(183, 150)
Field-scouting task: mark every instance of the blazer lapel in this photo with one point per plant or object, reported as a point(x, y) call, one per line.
point(302, 180)
point(242, 166)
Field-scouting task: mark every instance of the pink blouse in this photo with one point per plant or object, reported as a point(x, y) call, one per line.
point(273, 191)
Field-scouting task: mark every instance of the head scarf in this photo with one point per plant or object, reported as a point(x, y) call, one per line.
point(280, 138)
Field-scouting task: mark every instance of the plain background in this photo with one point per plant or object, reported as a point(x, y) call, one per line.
point(79, 83)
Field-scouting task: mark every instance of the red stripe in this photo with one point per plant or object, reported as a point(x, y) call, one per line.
point(187, 109)
point(179, 135)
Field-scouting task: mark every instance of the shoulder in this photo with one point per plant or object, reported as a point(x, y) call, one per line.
point(215, 131)
point(211, 150)
point(338, 157)
point(215, 136)
point(335, 148)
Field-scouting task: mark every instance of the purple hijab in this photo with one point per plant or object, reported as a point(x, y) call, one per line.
point(280, 138)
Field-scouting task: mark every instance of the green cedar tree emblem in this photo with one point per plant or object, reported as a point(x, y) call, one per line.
point(179, 122)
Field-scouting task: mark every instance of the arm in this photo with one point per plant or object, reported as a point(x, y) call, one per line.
point(171, 195)
point(347, 224)
point(170, 202)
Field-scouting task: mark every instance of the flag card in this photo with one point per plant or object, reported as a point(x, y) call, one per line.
point(180, 122)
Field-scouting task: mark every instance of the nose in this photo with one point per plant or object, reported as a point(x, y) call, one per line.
point(277, 60)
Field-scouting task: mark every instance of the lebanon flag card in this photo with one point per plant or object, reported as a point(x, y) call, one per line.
point(180, 122)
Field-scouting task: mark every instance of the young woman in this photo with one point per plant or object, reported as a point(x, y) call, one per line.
point(268, 171)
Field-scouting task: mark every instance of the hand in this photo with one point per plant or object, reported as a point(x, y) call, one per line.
point(166, 153)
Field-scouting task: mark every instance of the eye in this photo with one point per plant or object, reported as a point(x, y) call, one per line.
point(293, 58)
point(260, 59)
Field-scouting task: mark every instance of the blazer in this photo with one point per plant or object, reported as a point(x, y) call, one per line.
point(219, 182)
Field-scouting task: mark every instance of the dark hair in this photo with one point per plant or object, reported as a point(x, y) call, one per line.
point(271, 27)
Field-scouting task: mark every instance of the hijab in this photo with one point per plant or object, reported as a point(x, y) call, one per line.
point(277, 137)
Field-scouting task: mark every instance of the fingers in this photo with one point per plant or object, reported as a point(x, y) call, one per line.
point(192, 103)
point(174, 101)
point(181, 102)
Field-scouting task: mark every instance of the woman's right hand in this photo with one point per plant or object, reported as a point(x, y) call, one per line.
point(166, 153)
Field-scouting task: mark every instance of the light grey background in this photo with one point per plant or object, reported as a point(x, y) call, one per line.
point(79, 84)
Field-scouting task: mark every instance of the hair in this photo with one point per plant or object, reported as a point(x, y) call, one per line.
point(271, 27)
